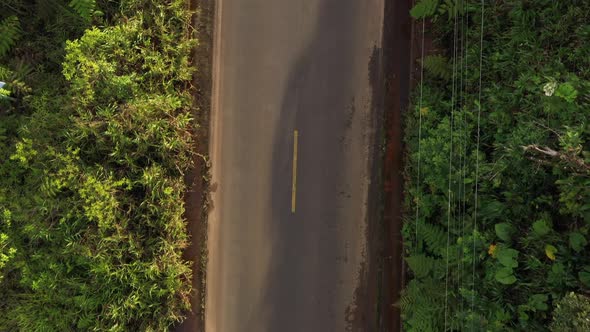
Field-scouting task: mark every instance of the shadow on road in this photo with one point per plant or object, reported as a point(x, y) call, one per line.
point(309, 267)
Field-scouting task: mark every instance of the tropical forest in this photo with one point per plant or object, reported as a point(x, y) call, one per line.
point(100, 115)
point(96, 114)
point(497, 195)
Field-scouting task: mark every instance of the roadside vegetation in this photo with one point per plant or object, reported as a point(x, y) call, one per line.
point(498, 187)
point(96, 134)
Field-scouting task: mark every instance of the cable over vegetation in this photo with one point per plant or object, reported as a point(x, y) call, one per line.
point(497, 169)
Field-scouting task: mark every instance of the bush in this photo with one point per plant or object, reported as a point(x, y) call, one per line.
point(91, 171)
point(572, 313)
point(528, 247)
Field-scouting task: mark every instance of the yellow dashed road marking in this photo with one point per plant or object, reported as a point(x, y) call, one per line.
point(294, 185)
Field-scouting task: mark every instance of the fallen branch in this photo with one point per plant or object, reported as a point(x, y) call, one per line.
point(569, 158)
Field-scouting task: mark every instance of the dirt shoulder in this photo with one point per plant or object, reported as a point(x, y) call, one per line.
point(402, 51)
point(401, 47)
point(197, 180)
point(397, 49)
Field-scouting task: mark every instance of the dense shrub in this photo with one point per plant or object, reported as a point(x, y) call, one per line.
point(529, 247)
point(91, 167)
point(572, 313)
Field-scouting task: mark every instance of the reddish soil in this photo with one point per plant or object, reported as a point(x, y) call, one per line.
point(196, 197)
point(402, 50)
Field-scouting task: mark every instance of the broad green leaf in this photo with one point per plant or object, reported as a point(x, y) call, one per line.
point(522, 315)
point(577, 241)
point(541, 227)
point(424, 8)
point(507, 257)
point(558, 269)
point(567, 91)
point(584, 275)
point(504, 231)
point(550, 251)
point(492, 209)
point(539, 302)
point(505, 276)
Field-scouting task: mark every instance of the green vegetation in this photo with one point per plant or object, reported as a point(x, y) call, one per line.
point(95, 137)
point(572, 313)
point(512, 262)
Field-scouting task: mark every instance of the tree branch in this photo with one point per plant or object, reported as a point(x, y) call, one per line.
point(569, 158)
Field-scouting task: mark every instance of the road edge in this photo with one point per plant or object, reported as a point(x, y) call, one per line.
point(397, 46)
point(214, 145)
point(197, 179)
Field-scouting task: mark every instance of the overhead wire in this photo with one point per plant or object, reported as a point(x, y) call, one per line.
point(473, 288)
point(448, 276)
point(418, 192)
point(463, 155)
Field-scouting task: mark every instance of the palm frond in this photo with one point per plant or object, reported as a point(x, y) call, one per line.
point(9, 33)
point(84, 8)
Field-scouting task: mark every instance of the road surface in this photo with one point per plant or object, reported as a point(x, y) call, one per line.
point(285, 257)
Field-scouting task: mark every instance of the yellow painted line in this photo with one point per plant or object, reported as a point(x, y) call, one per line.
point(294, 185)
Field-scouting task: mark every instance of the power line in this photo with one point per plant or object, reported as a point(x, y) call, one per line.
point(418, 196)
point(450, 178)
point(477, 162)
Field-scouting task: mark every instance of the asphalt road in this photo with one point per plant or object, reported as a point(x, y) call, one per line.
point(280, 66)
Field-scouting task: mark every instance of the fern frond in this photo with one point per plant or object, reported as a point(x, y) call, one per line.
point(84, 8)
point(45, 9)
point(423, 320)
point(409, 297)
point(406, 302)
point(21, 69)
point(17, 77)
point(434, 237)
point(421, 265)
point(9, 33)
point(421, 305)
point(451, 8)
point(438, 66)
point(5, 73)
point(424, 8)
